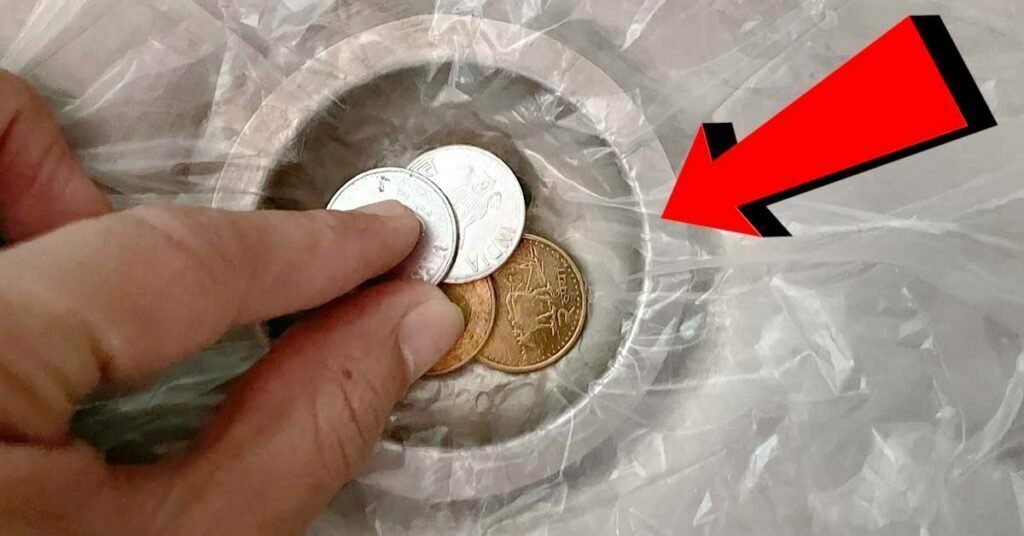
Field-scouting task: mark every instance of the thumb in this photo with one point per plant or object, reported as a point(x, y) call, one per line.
point(304, 420)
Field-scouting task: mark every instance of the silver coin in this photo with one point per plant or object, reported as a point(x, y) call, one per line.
point(488, 203)
point(434, 255)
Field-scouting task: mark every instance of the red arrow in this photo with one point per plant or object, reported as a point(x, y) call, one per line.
point(907, 92)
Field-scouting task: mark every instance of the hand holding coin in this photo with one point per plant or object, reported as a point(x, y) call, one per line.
point(97, 300)
point(478, 305)
point(525, 301)
point(433, 257)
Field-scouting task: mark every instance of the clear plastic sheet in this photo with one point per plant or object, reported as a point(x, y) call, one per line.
point(864, 377)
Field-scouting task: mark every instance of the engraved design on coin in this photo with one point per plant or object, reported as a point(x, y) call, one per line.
point(434, 255)
point(478, 304)
point(542, 306)
point(488, 203)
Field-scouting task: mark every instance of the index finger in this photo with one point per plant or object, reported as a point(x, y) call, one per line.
point(120, 297)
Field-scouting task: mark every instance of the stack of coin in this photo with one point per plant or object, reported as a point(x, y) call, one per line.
point(523, 298)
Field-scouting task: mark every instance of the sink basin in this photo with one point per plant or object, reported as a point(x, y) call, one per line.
point(587, 159)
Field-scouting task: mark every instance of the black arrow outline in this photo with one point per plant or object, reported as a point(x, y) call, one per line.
point(722, 136)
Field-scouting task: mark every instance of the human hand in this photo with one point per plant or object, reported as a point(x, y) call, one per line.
point(90, 298)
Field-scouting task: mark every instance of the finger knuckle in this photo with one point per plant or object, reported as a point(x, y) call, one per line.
point(201, 252)
point(333, 451)
point(349, 418)
point(330, 225)
point(340, 233)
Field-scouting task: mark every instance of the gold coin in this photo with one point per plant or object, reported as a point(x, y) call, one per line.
point(477, 302)
point(542, 306)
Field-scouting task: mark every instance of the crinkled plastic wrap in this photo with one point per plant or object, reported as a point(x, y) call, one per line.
point(864, 377)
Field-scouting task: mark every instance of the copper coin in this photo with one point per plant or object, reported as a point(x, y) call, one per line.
point(477, 302)
point(542, 306)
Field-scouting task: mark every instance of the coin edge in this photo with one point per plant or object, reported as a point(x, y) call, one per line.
point(448, 265)
point(520, 229)
point(484, 339)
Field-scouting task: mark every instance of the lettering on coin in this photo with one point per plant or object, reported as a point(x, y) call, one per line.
point(488, 203)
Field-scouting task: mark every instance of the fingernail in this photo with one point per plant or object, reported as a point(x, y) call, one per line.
point(427, 332)
point(385, 208)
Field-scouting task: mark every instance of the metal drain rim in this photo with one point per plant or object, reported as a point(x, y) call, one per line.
point(435, 474)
